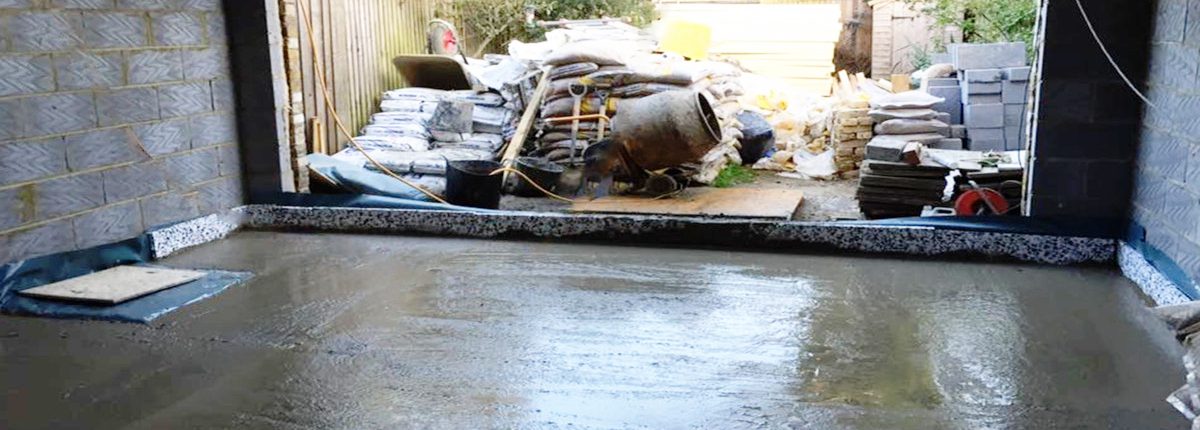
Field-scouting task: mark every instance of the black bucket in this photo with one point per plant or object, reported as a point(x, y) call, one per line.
point(541, 171)
point(470, 183)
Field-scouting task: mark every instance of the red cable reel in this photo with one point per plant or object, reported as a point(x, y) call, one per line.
point(981, 201)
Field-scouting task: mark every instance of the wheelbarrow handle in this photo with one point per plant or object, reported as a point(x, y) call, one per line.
point(604, 120)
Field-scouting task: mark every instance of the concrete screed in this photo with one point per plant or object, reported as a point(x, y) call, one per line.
point(342, 331)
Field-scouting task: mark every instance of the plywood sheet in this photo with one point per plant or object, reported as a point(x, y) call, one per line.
point(115, 285)
point(731, 202)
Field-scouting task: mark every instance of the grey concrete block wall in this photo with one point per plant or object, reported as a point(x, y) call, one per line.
point(1166, 196)
point(1087, 120)
point(115, 116)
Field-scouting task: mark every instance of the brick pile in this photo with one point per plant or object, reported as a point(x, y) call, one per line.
point(849, 134)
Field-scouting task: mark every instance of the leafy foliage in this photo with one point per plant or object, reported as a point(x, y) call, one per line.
point(921, 56)
point(490, 24)
point(984, 21)
point(733, 175)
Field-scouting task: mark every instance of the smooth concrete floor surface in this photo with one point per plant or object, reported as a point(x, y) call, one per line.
point(359, 332)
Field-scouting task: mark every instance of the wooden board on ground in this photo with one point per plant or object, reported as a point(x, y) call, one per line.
point(115, 285)
point(731, 202)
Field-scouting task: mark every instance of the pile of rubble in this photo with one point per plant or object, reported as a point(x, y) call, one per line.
point(802, 124)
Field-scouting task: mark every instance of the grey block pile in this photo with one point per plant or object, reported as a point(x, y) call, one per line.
point(988, 98)
point(1015, 94)
point(949, 90)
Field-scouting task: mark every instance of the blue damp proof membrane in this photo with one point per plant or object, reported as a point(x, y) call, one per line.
point(23, 275)
point(1105, 228)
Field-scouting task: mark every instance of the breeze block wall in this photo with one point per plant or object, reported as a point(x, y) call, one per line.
point(1166, 196)
point(115, 116)
point(1088, 120)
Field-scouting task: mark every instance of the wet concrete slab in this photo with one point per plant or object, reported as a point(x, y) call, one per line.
point(345, 331)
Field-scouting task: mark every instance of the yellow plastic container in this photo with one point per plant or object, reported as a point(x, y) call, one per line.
point(689, 39)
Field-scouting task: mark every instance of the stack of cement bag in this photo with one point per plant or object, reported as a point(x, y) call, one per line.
point(578, 64)
point(404, 140)
point(613, 79)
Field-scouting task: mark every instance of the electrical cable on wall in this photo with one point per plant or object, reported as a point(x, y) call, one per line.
point(1087, 20)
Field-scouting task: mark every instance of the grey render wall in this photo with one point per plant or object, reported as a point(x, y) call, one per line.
point(1166, 198)
point(1088, 121)
point(115, 116)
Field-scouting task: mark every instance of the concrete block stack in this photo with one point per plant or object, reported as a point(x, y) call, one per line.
point(949, 90)
point(986, 104)
point(852, 129)
point(1015, 95)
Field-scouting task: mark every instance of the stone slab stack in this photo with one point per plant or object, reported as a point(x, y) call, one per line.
point(890, 189)
point(911, 117)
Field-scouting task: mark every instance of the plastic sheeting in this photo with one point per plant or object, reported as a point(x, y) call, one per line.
point(357, 179)
point(40, 271)
point(1135, 236)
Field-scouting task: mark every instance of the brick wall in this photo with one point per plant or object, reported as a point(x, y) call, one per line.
point(1088, 121)
point(115, 116)
point(1166, 198)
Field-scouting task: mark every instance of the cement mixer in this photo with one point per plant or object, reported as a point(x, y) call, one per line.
point(650, 135)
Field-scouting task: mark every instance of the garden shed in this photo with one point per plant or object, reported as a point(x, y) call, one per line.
point(901, 34)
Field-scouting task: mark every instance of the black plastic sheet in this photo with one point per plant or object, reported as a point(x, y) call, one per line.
point(22, 275)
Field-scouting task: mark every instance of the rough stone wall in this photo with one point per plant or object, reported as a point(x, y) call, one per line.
point(115, 116)
point(1166, 197)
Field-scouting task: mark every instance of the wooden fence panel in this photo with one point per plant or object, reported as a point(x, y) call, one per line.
point(356, 42)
